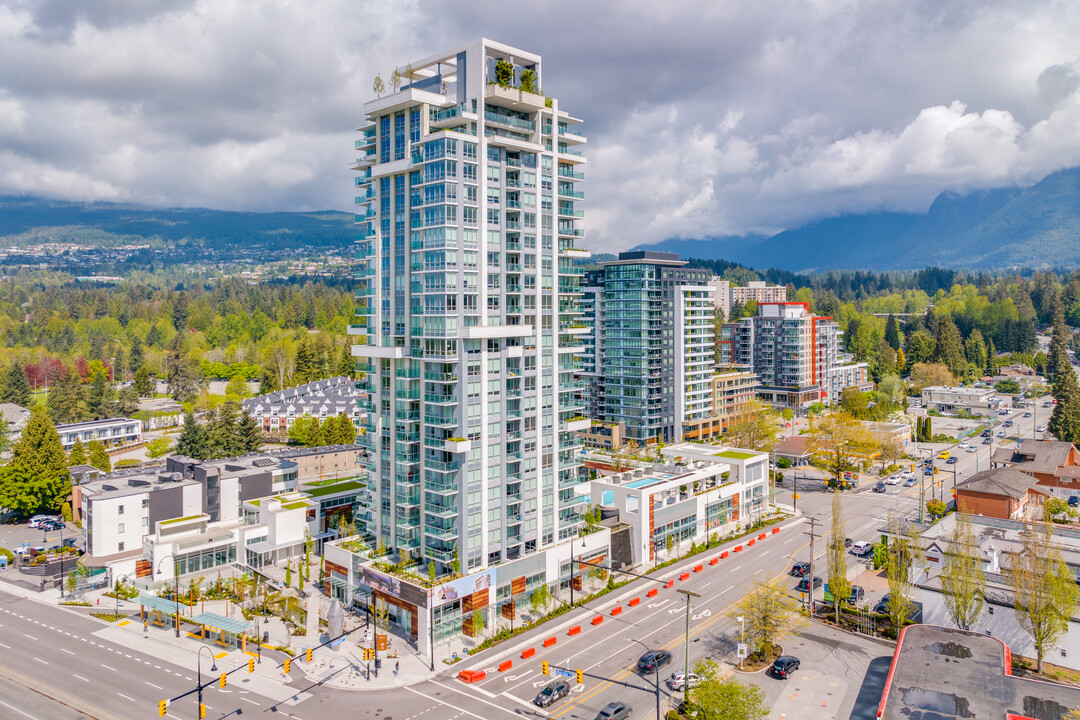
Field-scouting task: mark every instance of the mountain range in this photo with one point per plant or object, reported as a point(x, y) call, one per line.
point(1033, 227)
point(29, 220)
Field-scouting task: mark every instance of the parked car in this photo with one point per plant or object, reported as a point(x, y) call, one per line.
point(50, 525)
point(784, 666)
point(862, 548)
point(804, 584)
point(677, 682)
point(554, 690)
point(858, 592)
point(879, 488)
point(652, 660)
point(799, 569)
point(882, 605)
point(1074, 501)
point(34, 550)
point(614, 711)
point(35, 522)
point(893, 480)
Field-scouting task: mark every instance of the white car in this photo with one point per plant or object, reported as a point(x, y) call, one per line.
point(1041, 428)
point(676, 681)
point(893, 480)
point(972, 449)
point(964, 446)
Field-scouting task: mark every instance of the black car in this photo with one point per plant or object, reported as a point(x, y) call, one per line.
point(988, 440)
point(50, 525)
point(799, 569)
point(879, 488)
point(804, 584)
point(614, 711)
point(652, 660)
point(554, 690)
point(784, 666)
point(857, 594)
point(951, 461)
point(985, 434)
point(1074, 501)
point(847, 543)
point(883, 605)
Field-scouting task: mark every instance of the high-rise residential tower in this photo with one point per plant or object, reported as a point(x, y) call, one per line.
point(651, 350)
point(469, 309)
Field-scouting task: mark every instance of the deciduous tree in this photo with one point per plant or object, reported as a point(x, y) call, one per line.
point(839, 444)
point(726, 698)
point(963, 584)
point(768, 614)
point(930, 374)
point(902, 557)
point(756, 427)
point(836, 557)
point(1044, 591)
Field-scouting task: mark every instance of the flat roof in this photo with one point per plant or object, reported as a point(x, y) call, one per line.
point(942, 673)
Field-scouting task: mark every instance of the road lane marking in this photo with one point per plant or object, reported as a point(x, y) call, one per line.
point(80, 677)
point(31, 637)
point(17, 710)
point(109, 668)
point(41, 661)
point(133, 699)
point(6, 647)
point(250, 701)
point(153, 685)
point(67, 651)
point(455, 707)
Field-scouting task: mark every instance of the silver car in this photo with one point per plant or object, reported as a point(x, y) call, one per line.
point(614, 711)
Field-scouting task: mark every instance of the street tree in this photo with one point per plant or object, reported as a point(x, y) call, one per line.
point(726, 698)
point(902, 553)
point(963, 584)
point(1044, 591)
point(768, 613)
point(755, 427)
point(836, 557)
point(839, 444)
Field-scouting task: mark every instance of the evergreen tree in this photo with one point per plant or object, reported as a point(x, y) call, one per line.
point(183, 380)
point(98, 456)
point(16, 388)
point(346, 431)
point(975, 349)
point(137, 358)
point(1058, 359)
point(101, 397)
point(39, 450)
point(991, 358)
point(127, 402)
point(305, 362)
point(892, 332)
point(949, 348)
point(920, 348)
point(153, 337)
point(1065, 420)
point(248, 433)
point(346, 363)
point(77, 456)
point(145, 384)
point(67, 399)
point(192, 442)
point(221, 435)
point(884, 361)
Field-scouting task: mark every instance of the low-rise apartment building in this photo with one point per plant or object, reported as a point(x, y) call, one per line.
point(276, 411)
point(730, 389)
point(112, 433)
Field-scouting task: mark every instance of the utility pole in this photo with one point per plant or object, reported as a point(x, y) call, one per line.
point(686, 646)
point(812, 519)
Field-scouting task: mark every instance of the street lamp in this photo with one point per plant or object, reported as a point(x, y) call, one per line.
point(198, 677)
point(656, 667)
point(176, 586)
point(117, 584)
point(45, 535)
point(686, 646)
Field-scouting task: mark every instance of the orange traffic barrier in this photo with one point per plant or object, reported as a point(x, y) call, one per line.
point(652, 593)
point(471, 676)
point(714, 561)
point(617, 610)
point(775, 530)
point(506, 665)
point(738, 548)
point(723, 555)
point(574, 630)
point(699, 567)
point(550, 641)
point(598, 619)
point(749, 544)
point(634, 601)
point(670, 583)
point(762, 536)
point(528, 653)
point(684, 576)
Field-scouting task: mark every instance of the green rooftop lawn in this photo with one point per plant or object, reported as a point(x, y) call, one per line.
point(735, 455)
point(349, 485)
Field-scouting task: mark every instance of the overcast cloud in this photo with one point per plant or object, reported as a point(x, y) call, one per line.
point(704, 118)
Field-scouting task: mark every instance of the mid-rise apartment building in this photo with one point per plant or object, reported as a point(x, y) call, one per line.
point(795, 354)
point(651, 350)
point(730, 389)
point(468, 182)
point(728, 295)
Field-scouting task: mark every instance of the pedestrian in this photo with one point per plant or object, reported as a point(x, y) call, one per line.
point(397, 666)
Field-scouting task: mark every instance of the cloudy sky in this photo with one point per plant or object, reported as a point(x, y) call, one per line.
point(704, 118)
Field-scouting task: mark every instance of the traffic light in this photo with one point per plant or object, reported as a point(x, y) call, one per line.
point(309, 654)
point(545, 668)
point(221, 683)
point(580, 677)
point(162, 706)
point(288, 665)
point(202, 711)
point(251, 665)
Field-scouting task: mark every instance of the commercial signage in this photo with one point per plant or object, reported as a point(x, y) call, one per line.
point(463, 587)
point(387, 584)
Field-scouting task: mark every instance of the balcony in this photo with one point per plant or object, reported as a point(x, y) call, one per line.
point(441, 511)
